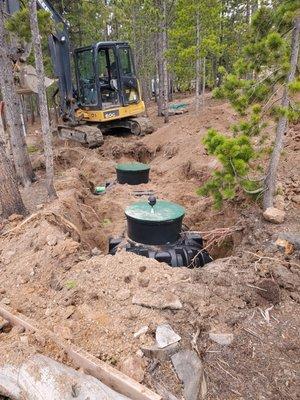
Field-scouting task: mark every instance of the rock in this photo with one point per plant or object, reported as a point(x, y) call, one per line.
point(225, 339)
point(190, 371)
point(142, 268)
point(162, 300)
point(133, 367)
point(285, 246)
point(15, 217)
point(39, 206)
point(96, 252)
point(5, 300)
point(2, 291)
point(293, 238)
point(141, 331)
point(270, 292)
point(160, 354)
point(18, 329)
point(63, 331)
point(143, 282)
point(296, 199)
point(5, 327)
point(274, 215)
point(295, 296)
point(69, 311)
point(51, 240)
point(279, 202)
point(165, 336)
point(286, 279)
point(139, 353)
point(55, 283)
point(24, 339)
point(123, 294)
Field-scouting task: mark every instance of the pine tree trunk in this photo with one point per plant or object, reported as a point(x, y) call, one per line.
point(198, 62)
point(45, 123)
point(10, 198)
point(270, 182)
point(21, 158)
point(203, 80)
point(160, 97)
point(165, 64)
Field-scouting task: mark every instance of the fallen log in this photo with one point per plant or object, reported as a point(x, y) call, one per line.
point(40, 377)
point(108, 375)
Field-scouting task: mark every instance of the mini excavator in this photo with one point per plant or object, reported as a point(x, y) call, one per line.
point(107, 93)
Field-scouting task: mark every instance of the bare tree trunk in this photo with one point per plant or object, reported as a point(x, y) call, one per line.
point(203, 80)
point(165, 64)
point(10, 198)
point(198, 62)
point(160, 99)
point(270, 182)
point(13, 112)
point(47, 137)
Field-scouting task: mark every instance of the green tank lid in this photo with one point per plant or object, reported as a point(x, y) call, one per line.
point(161, 211)
point(135, 166)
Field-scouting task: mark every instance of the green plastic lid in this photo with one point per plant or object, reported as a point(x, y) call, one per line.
point(100, 189)
point(135, 166)
point(162, 211)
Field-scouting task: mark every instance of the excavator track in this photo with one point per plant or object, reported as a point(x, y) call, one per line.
point(89, 135)
point(141, 126)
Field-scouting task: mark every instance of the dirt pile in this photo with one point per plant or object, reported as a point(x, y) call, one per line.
point(55, 269)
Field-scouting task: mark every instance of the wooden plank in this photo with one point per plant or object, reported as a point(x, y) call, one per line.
point(107, 374)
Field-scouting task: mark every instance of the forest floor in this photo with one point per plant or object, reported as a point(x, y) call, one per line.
point(52, 273)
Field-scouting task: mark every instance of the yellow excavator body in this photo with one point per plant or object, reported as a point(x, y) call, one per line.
point(111, 114)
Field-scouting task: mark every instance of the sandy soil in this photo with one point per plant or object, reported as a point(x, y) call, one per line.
point(50, 273)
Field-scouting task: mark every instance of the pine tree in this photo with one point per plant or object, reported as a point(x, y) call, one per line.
point(270, 182)
point(46, 131)
point(264, 69)
point(10, 198)
point(12, 109)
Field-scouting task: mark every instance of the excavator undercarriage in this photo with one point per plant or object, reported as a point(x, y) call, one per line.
point(92, 135)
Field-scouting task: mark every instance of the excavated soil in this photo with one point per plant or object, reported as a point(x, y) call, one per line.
point(52, 273)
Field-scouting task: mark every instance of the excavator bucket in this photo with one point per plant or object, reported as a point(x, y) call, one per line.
point(26, 78)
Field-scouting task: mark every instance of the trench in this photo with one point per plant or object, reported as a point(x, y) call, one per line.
point(99, 218)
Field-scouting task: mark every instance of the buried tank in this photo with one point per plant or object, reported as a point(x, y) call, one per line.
point(154, 230)
point(133, 173)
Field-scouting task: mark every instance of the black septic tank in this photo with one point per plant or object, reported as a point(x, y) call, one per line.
point(154, 230)
point(133, 173)
point(155, 222)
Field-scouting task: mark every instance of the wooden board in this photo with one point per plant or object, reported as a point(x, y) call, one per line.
point(99, 369)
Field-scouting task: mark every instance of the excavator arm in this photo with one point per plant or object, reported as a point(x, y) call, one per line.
point(60, 55)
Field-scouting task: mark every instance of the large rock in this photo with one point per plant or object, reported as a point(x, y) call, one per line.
point(190, 371)
point(274, 215)
point(161, 300)
point(165, 336)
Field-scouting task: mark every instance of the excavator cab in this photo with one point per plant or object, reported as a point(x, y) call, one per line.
point(105, 76)
point(107, 89)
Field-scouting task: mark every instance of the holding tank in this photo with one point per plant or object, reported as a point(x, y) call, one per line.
point(154, 230)
point(133, 173)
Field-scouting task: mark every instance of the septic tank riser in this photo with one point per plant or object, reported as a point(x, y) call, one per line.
point(154, 233)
